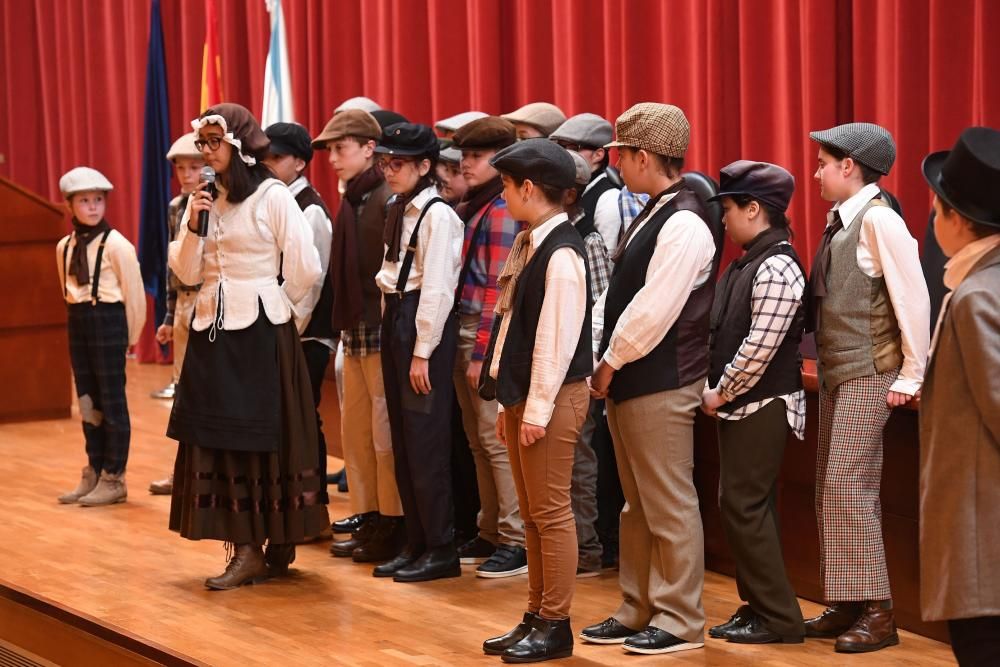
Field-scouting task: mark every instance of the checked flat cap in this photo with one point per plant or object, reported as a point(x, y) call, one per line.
point(867, 143)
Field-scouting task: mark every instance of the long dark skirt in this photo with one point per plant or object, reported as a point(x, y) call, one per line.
point(256, 496)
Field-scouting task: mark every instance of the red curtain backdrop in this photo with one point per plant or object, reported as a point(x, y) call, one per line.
point(753, 76)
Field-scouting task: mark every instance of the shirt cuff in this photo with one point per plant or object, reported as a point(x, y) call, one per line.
point(905, 386)
point(537, 412)
point(423, 349)
point(613, 360)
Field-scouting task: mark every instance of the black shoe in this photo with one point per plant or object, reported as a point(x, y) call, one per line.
point(351, 523)
point(439, 563)
point(390, 568)
point(475, 551)
point(386, 542)
point(755, 632)
point(653, 640)
point(497, 645)
point(506, 561)
point(608, 631)
point(742, 617)
point(278, 557)
point(359, 538)
point(334, 477)
point(547, 640)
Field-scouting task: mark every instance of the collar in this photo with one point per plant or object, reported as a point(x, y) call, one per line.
point(966, 259)
point(298, 185)
point(850, 208)
point(594, 181)
point(539, 233)
point(417, 203)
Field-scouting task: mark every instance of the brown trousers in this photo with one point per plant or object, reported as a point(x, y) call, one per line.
point(543, 472)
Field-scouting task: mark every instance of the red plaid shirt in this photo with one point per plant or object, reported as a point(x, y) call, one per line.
point(479, 291)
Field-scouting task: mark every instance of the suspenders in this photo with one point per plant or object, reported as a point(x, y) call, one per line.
point(411, 248)
point(95, 279)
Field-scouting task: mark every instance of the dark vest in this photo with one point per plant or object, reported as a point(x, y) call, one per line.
point(514, 376)
point(731, 320)
point(370, 217)
point(320, 324)
point(682, 356)
point(589, 205)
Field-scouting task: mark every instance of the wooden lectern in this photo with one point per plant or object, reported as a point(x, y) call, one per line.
point(35, 377)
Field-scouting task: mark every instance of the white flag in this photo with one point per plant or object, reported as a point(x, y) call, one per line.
point(278, 105)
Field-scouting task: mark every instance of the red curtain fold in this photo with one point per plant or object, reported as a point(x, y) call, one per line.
point(753, 76)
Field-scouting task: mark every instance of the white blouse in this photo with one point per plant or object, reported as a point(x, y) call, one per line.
point(239, 260)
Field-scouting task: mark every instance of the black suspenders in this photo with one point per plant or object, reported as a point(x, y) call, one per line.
point(95, 279)
point(411, 248)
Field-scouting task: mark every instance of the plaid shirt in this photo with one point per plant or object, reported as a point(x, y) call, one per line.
point(777, 294)
point(490, 251)
point(630, 205)
point(598, 263)
point(361, 341)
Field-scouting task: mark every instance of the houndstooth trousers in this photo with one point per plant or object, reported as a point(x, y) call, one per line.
point(848, 478)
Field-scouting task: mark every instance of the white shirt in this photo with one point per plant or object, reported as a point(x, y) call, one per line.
point(886, 248)
point(607, 218)
point(559, 322)
point(681, 263)
point(956, 270)
point(436, 265)
point(322, 231)
point(238, 261)
point(120, 280)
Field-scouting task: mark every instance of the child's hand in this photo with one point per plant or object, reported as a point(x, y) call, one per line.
point(530, 434)
point(164, 334)
point(420, 376)
point(201, 200)
point(896, 399)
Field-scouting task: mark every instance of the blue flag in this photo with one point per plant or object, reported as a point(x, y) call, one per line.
point(153, 236)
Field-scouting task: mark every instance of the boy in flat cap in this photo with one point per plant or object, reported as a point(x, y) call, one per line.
point(289, 153)
point(960, 405)
point(356, 257)
point(106, 310)
point(870, 310)
point(419, 279)
point(652, 328)
point(538, 119)
point(489, 236)
point(536, 367)
point(755, 389)
point(188, 163)
point(449, 171)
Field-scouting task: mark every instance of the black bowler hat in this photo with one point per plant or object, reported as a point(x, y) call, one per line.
point(289, 139)
point(967, 177)
point(538, 160)
point(409, 140)
point(765, 182)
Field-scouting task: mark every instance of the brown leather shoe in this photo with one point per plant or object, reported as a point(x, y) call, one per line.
point(246, 566)
point(835, 620)
point(875, 629)
point(278, 557)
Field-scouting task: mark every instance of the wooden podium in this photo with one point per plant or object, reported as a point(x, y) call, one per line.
point(35, 377)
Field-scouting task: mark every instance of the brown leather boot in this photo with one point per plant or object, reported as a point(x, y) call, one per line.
point(835, 620)
point(88, 480)
point(110, 489)
point(278, 557)
point(246, 566)
point(162, 487)
point(875, 629)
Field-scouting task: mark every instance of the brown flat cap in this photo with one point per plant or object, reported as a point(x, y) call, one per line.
point(657, 128)
point(542, 116)
point(483, 133)
point(349, 123)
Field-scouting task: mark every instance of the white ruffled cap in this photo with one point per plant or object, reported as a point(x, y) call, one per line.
point(83, 179)
point(228, 137)
point(184, 147)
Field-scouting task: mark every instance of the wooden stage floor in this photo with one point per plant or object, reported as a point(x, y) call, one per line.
point(121, 566)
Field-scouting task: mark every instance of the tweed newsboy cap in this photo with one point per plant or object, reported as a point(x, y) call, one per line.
point(658, 128)
point(585, 129)
point(583, 171)
point(763, 181)
point(539, 160)
point(488, 132)
point(350, 123)
point(452, 123)
point(289, 139)
point(184, 147)
point(867, 143)
point(542, 116)
point(83, 179)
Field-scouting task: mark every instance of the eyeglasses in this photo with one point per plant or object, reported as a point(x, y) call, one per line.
point(392, 164)
point(579, 148)
point(213, 143)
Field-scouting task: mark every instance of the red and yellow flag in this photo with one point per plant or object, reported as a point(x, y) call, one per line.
point(211, 64)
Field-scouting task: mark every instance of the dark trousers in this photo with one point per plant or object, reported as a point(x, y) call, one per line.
point(976, 641)
point(610, 499)
point(98, 340)
point(464, 484)
point(420, 425)
point(750, 455)
point(583, 497)
point(317, 358)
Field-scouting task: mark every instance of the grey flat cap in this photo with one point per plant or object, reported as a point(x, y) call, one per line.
point(452, 123)
point(449, 154)
point(363, 103)
point(585, 129)
point(867, 143)
point(539, 160)
point(583, 171)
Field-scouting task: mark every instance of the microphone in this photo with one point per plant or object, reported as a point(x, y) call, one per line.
point(207, 176)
